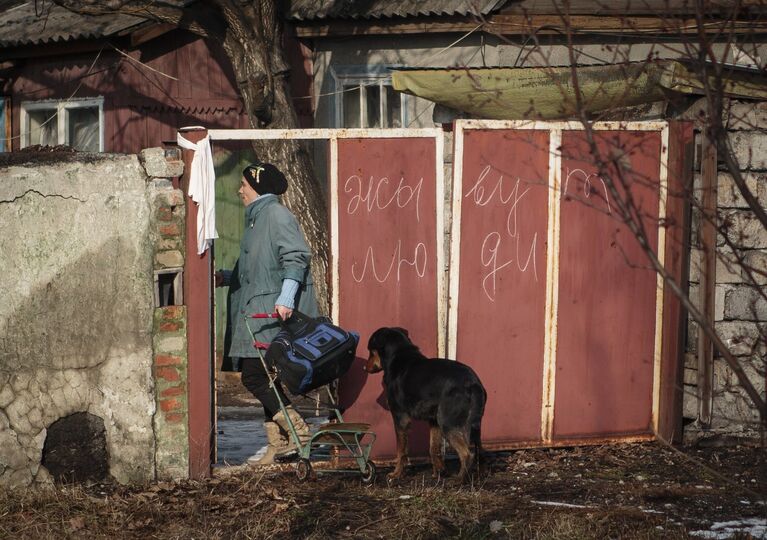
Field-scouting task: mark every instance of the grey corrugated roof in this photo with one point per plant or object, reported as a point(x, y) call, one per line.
point(27, 24)
point(307, 10)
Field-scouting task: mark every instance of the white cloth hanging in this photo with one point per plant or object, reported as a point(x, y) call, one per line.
point(202, 190)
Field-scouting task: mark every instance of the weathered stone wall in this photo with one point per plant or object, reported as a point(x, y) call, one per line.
point(76, 321)
point(740, 312)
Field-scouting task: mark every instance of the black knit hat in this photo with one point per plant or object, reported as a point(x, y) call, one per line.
point(265, 178)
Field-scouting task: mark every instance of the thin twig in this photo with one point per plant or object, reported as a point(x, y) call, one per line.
point(358, 529)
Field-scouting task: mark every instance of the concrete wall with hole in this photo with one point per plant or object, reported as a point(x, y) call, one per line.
point(81, 247)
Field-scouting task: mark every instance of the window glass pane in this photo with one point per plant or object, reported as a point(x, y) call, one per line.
point(373, 105)
point(83, 128)
point(351, 107)
point(393, 108)
point(43, 127)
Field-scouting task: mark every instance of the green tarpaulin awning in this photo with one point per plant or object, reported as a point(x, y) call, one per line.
point(549, 92)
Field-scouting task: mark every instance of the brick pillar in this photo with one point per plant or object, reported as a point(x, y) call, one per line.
point(170, 366)
point(171, 376)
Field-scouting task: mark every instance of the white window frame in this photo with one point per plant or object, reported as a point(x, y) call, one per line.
point(343, 78)
point(61, 106)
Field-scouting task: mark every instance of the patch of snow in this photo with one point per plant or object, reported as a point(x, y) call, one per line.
point(496, 526)
point(650, 511)
point(564, 505)
point(752, 527)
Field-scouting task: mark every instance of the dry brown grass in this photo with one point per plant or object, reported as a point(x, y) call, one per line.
point(631, 492)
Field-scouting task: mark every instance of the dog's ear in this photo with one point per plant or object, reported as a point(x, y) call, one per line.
point(402, 331)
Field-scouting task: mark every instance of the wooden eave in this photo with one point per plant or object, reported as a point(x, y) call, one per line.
point(517, 24)
point(356, 27)
point(622, 8)
point(128, 40)
point(609, 24)
point(54, 49)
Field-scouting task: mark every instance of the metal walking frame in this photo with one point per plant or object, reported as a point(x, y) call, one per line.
point(346, 441)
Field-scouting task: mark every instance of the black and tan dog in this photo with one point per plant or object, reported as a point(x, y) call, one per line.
point(445, 393)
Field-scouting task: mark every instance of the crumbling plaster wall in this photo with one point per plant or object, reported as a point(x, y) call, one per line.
point(76, 276)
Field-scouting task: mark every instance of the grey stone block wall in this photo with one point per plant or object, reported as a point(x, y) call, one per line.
point(740, 308)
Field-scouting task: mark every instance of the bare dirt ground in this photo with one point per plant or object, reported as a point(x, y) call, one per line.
point(618, 491)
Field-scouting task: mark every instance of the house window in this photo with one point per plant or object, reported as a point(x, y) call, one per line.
point(368, 101)
point(78, 123)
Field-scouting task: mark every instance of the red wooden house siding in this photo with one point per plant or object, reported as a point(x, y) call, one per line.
point(142, 107)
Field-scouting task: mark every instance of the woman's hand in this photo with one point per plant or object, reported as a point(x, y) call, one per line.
point(283, 312)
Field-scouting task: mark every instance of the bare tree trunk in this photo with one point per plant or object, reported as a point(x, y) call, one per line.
point(262, 75)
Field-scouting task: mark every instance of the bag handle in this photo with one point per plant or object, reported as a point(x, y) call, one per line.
point(299, 317)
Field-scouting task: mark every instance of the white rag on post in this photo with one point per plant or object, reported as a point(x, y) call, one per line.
point(202, 190)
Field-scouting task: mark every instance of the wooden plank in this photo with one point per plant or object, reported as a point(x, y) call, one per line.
point(198, 67)
point(607, 294)
point(677, 263)
point(386, 262)
point(183, 60)
point(8, 127)
point(145, 34)
point(651, 24)
point(626, 7)
point(541, 24)
point(499, 274)
point(197, 295)
point(707, 287)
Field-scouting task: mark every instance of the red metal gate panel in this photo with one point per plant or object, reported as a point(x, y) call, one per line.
point(501, 296)
point(387, 263)
point(607, 293)
point(585, 347)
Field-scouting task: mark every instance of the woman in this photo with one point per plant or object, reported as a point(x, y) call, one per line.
point(271, 275)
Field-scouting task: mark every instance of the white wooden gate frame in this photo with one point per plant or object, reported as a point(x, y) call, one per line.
point(332, 136)
point(448, 290)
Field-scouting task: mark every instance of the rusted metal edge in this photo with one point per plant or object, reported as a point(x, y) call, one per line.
point(559, 442)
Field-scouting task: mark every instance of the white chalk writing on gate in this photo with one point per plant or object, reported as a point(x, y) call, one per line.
point(587, 189)
point(375, 193)
point(492, 243)
point(418, 262)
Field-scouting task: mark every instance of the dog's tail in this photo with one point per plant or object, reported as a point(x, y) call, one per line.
point(476, 410)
